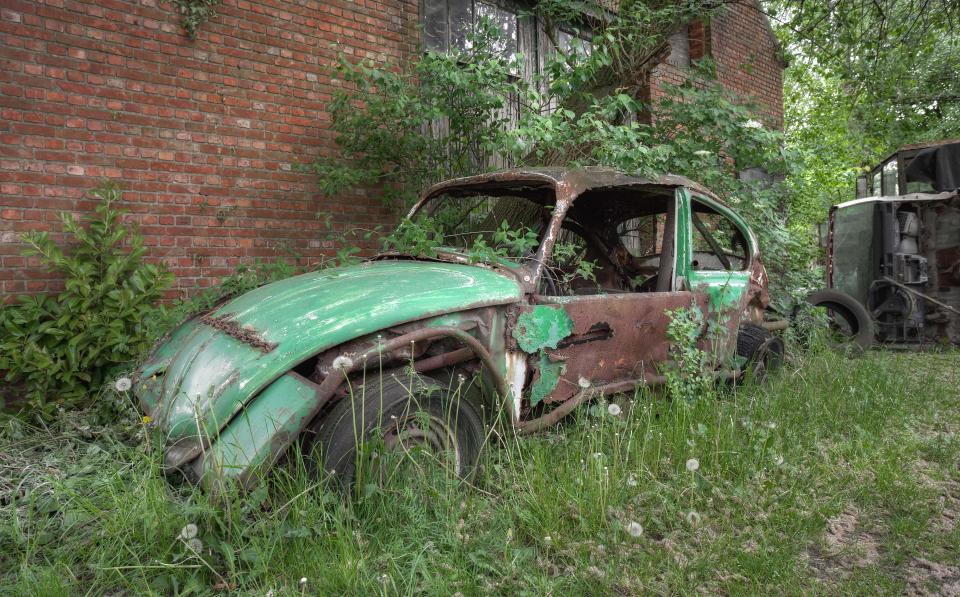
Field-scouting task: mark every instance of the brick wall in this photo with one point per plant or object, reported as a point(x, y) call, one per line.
point(201, 135)
point(747, 56)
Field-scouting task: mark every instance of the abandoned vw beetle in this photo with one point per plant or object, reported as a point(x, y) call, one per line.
point(371, 351)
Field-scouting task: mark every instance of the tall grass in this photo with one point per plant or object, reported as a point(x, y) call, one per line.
point(605, 503)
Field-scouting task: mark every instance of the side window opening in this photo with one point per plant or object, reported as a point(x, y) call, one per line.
point(718, 243)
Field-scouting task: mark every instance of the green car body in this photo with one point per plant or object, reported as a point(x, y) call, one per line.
point(233, 388)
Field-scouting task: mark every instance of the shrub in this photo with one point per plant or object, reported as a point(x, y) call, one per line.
point(60, 347)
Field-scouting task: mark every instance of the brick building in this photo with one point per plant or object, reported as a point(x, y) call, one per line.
point(202, 135)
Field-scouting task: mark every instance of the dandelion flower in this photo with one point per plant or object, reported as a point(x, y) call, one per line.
point(147, 419)
point(693, 518)
point(123, 384)
point(693, 464)
point(614, 409)
point(195, 545)
point(342, 362)
point(189, 532)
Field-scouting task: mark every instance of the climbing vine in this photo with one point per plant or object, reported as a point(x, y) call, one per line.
point(194, 13)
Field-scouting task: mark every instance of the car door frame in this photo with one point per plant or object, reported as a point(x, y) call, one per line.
point(605, 339)
point(725, 293)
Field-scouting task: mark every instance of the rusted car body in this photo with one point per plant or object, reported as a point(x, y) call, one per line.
point(232, 389)
point(897, 252)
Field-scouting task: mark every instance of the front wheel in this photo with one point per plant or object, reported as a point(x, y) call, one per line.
point(398, 423)
point(760, 350)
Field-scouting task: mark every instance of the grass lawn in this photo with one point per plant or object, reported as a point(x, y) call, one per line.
point(837, 476)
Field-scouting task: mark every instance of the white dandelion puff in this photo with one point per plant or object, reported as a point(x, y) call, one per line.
point(693, 465)
point(189, 532)
point(778, 460)
point(547, 540)
point(303, 583)
point(598, 455)
point(635, 529)
point(693, 518)
point(123, 384)
point(583, 382)
point(195, 545)
point(631, 481)
point(342, 362)
point(614, 409)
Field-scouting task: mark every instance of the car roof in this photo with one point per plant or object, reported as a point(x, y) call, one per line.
point(945, 196)
point(575, 181)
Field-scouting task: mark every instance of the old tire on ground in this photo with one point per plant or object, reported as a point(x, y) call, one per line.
point(762, 350)
point(848, 318)
point(397, 411)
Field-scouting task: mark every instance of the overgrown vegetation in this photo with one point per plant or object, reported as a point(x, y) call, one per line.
point(400, 128)
point(839, 476)
point(60, 347)
point(864, 78)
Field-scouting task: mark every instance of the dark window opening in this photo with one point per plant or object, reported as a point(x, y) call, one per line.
point(718, 243)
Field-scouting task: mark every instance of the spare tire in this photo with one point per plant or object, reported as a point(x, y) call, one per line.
point(850, 322)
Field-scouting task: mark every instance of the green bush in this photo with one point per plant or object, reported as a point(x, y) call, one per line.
point(60, 347)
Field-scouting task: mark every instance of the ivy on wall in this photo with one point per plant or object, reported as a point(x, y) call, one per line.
point(194, 13)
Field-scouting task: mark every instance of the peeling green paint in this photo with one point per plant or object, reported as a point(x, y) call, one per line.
point(543, 327)
point(548, 379)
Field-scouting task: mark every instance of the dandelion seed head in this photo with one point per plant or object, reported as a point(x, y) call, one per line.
point(583, 382)
point(693, 465)
point(342, 362)
point(598, 455)
point(631, 481)
point(547, 540)
point(635, 529)
point(123, 384)
point(303, 582)
point(189, 531)
point(614, 409)
point(195, 545)
point(693, 518)
point(778, 460)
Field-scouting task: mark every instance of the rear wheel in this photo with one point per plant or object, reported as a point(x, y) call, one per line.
point(761, 350)
point(397, 425)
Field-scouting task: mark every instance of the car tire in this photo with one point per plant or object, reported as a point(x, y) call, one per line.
point(761, 349)
point(853, 314)
point(396, 407)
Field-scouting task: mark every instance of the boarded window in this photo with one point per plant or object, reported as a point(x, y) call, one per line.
point(680, 48)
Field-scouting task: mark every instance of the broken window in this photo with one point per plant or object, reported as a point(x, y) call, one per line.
point(643, 236)
point(718, 243)
point(446, 24)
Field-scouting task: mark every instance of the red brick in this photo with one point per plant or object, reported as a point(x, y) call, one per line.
point(201, 134)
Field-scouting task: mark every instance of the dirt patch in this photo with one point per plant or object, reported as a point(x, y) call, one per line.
point(924, 578)
point(845, 546)
point(948, 495)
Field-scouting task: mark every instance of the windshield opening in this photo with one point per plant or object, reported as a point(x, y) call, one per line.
point(486, 227)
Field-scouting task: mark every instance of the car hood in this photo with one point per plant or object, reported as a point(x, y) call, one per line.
point(211, 366)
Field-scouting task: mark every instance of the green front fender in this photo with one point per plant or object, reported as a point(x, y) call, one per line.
point(256, 438)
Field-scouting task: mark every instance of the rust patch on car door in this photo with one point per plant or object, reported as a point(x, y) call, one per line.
point(615, 337)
